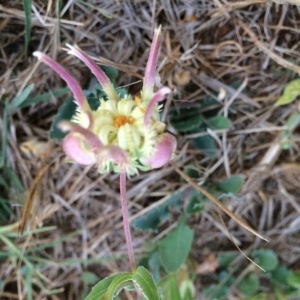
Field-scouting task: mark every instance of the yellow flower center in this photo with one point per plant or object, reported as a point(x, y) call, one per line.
point(122, 124)
point(122, 120)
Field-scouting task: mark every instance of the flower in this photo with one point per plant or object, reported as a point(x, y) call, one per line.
point(124, 134)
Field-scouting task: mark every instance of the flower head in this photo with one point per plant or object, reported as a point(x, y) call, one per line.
point(124, 134)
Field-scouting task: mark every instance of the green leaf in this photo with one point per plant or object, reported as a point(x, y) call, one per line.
point(187, 119)
point(192, 171)
point(18, 100)
point(159, 213)
point(171, 288)
point(146, 283)
point(224, 259)
point(93, 97)
point(226, 278)
point(121, 92)
point(112, 73)
point(89, 277)
point(260, 296)
point(154, 265)
point(267, 259)
point(215, 292)
point(207, 145)
point(175, 247)
point(99, 291)
point(118, 283)
point(218, 122)
point(196, 203)
point(294, 279)
point(280, 295)
point(65, 112)
point(290, 93)
point(280, 275)
point(210, 104)
point(232, 184)
point(286, 141)
point(187, 289)
point(27, 10)
point(249, 285)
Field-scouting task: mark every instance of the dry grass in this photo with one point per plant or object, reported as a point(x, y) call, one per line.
point(207, 45)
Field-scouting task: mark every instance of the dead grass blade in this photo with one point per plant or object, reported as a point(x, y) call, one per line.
point(33, 192)
point(276, 58)
point(232, 238)
point(31, 197)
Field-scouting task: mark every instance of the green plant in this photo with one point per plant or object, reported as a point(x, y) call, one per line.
point(25, 259)
point(168, 258)
point(199, 120)
point(282, 282)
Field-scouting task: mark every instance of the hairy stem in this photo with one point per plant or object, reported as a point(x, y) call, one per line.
point(126, 220)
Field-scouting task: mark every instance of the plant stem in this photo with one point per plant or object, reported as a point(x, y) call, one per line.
point(126, 220)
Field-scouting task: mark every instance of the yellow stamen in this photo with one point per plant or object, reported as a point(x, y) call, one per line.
point(122, 120)
point(137, 100)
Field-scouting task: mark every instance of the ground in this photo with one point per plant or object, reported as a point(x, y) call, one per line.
point(220, 58)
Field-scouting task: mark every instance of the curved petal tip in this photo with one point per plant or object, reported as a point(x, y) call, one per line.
point(73, 145)
point(163, 152)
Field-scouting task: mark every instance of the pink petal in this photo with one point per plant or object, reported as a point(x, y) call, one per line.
point(74, 147)
point(67, 77)
point(115, 154)
point(91, 139)
point(100, 75)
point(159, 96)
point(151, 63)
point(163, 152)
